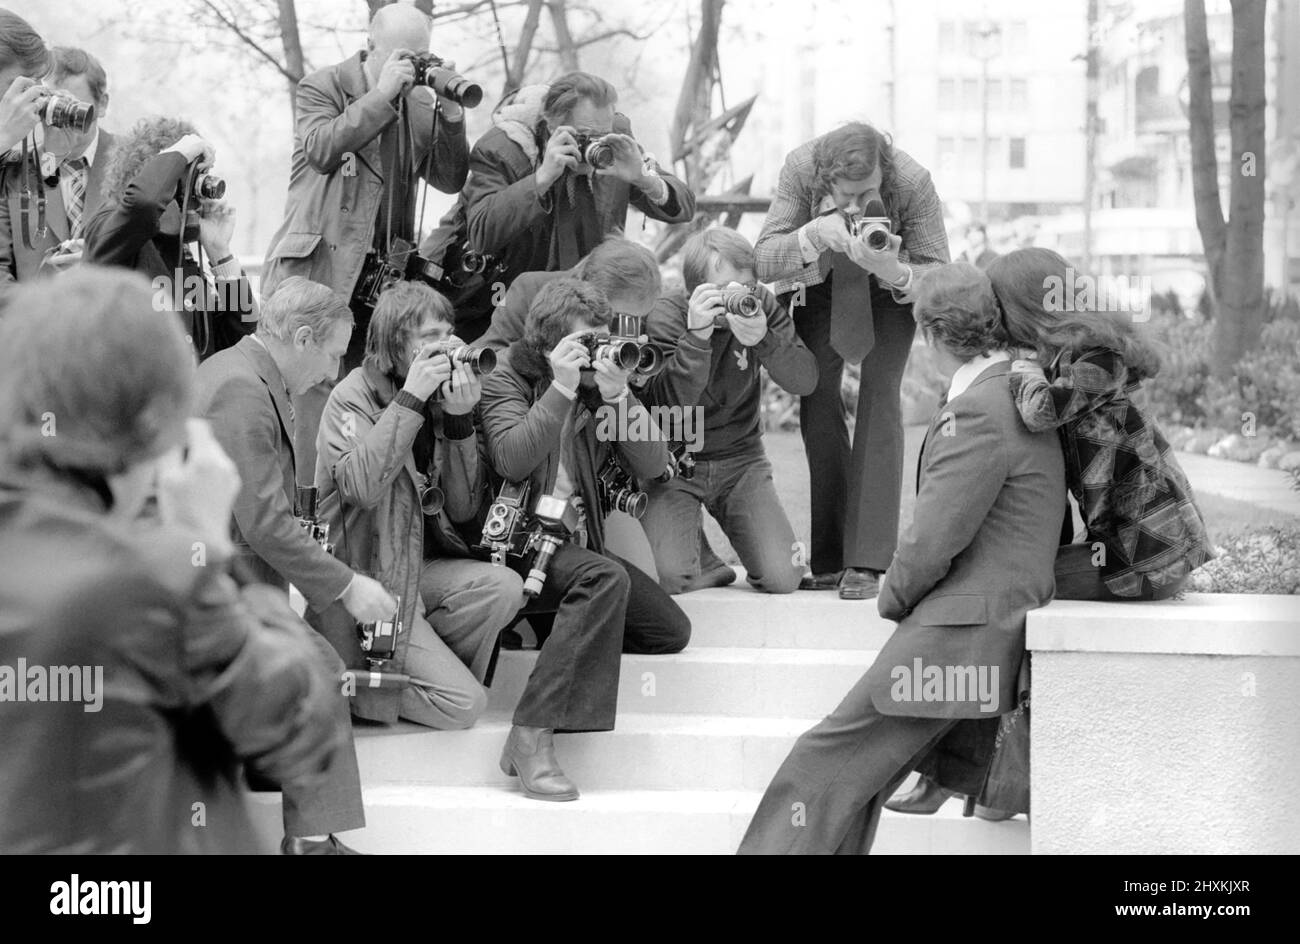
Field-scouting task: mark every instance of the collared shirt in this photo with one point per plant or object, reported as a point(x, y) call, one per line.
point(965, 374)
point(65, 180)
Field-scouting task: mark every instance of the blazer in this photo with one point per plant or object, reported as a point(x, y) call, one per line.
point(978, 555)
point(241, 392)
point(336, 179)
point(17, 262)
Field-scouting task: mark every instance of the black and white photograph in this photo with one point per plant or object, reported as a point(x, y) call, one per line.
point(591, 427)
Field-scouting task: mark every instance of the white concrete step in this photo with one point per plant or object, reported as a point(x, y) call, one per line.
point(760, 683)
point(738, 616)
point(644, 752)
point(417, 819)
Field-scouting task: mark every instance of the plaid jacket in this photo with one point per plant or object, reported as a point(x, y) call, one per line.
point(1132, 494)
point(913, 206)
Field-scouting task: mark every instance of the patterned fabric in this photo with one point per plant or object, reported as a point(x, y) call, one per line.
point(914, 209)
point(1132, 494)
point(78, 171)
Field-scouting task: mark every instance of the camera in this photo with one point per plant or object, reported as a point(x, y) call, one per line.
point(738, 301)
point(512, 531)
point(305, 497)
point(432, 498)
point(631, 328)
point(622, 353)
point(64, 111)
point(431, 71)
point(618, 491)
point(555, 520)
point(680, 463)
point(379, 643)
point(208, 186)
point(594, 149)
point(481, 360)
point(505, 521)
point(875, 228)
point(379, 273)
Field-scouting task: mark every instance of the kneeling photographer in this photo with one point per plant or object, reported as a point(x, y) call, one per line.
point(398, 470)
point(562, 469)
point(160, 197)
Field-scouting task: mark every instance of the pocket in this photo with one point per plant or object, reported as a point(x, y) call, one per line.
point(297, 246)
point(956, 609)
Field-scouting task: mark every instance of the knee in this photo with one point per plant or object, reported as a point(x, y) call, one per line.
point(785, 580)
point(506, 589)
point(465, 714)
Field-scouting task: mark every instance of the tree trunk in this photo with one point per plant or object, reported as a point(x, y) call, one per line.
point(695, 101)
point(519, 67)
point(567, 49)
point(1205, 168)
point(293, 59)
point(1241, 303)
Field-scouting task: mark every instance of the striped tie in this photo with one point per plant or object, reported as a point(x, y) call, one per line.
point(76, 169)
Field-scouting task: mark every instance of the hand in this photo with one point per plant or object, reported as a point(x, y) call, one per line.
point(462, 391)
point(65, 255)
point(1023, 365)
point(611, 381)
point(194, 148)
point(367, 600)
point(748, 331)
point(216, 228)
point(629, 164)
point(20, 110)
point(397, 77)
point(429, 370)
point(567, 360)
point(882, 263)
point(705, 305)
point(833, 232)
point(561, 155)
point(198, 492)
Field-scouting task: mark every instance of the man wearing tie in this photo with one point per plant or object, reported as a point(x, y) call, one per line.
point(80, 159)
point(852, 303)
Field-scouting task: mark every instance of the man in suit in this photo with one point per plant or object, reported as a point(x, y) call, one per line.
point(244, 391)
point(852, 303)
point(81, 159)
point(978, 555)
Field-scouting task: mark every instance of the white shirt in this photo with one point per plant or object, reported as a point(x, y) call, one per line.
point(967, 372)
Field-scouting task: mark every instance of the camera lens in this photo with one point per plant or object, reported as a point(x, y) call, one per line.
point(878, 238)
point(622, 354)
point(630, 502)
point(472, 262)
point(209, 187)
point(453, 85)
point(431, 500)
point(651, 360)
point(599, 155)
point(745, 304)
point(481, 360)
point(62, 111)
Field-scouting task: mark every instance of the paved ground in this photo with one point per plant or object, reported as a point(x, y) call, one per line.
point(1264, 488)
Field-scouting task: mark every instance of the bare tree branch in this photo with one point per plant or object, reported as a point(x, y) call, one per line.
point(248, 40)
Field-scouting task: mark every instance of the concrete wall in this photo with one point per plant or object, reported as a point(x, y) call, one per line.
point(1166, 727)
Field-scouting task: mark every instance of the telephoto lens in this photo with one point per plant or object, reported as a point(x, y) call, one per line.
point(64, 111)
point(430, 71)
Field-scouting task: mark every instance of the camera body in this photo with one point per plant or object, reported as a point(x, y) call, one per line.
point(626, 351)
point(513, 531)
point(431, 71)
point(379, 639)
point(631, 329)
point(618, 491)
point(874, 228)
point(594, 149)
point(305, 498)
point(741, 302)
point(379, 273)
point(505, 526)
point(63, 111)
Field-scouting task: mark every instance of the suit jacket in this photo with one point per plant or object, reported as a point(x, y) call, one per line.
point(17, 262)
point(241, 392)
point(978, 555)
point(914, 209)
point(336, 180)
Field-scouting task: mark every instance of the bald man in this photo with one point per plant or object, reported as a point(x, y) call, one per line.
point(349, 197)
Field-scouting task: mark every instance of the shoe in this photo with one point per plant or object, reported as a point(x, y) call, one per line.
point(992, 815)
point(859, 584)
point(820, 581)
point(294, 845)
point(923, 799)
point(530, 755)
point(720, 576)
point(511, 640)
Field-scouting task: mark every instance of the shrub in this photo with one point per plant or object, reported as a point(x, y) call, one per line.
point(1263, 561)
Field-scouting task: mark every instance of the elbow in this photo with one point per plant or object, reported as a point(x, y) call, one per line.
point(320, 159)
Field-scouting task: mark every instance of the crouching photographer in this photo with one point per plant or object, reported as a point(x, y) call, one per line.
point(160, 199)
point(561, 465)
point(398, 471)
point(183, 676)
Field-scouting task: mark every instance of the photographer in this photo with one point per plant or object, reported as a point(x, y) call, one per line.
point(535, 204)
point(399, 470)
point(151, 215)
point(538, 420)
point(191, 675)
point(852, 302)
point(366, 135)
point(23, 60)
point(82, 157)
point(718, 353)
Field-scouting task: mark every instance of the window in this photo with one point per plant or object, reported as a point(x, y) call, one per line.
point(947, 94)
point(947, 38)
point(1019, 96)
point(1016, 154)
point(995, 94)
point(970, 95)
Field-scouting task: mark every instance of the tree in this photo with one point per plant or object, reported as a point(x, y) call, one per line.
point(1234, 247)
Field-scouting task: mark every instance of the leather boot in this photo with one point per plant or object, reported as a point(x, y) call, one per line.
point(923, 799)
point(530, 755)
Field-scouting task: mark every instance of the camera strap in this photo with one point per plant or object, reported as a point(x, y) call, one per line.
point(30, 235)
point(202, 324)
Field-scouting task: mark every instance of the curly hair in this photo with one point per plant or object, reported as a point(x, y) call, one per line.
point(557, 306)
point(956, 307)
point(853, 152)
point(144, 141)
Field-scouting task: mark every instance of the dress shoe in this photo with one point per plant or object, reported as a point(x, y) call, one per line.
point(859, 584)
point(923, 799)
point(530, 755)
point(829, 581)
point(330, 845)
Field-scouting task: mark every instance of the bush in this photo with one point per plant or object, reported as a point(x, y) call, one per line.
point(1264, 561)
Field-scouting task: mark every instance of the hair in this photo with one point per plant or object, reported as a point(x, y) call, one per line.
point(558, 305)
point(301, 303)
point(142, 143)
point(955, 307)
point(398, 312)
point(92, 378)
point(69, 62)
point(707, 248)
point(566, 91)
point(22, 46)
point(621, 269)
point(853, 152)
point(1020, 283)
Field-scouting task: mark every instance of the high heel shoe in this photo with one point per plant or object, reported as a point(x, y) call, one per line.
point(923, 799)
point(529, 754)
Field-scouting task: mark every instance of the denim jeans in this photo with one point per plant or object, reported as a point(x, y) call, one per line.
point(738, 492)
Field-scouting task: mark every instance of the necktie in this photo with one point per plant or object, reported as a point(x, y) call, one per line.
point(77, 171)
point(852, 334)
